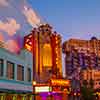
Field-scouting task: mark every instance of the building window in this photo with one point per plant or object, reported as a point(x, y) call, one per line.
point(29, 74)
point(10, 70)
point(20, 72)
point(1, 67)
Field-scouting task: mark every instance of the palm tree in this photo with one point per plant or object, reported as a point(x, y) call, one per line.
point(85, 83)
point(91, 83)
point(87, 90)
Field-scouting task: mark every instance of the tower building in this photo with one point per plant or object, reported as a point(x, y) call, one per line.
point(81, 54)
point(46, 48)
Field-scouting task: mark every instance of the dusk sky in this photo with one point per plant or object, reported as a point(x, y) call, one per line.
point(71, 18)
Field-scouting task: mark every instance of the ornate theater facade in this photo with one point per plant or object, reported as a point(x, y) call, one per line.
point(46, 48)
point(34, 73)
point(45, 45)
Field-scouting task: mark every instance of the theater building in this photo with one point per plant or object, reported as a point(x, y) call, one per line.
point(45, 45)
point(15, 74)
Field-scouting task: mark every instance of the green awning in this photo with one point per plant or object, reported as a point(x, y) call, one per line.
point(14, 91)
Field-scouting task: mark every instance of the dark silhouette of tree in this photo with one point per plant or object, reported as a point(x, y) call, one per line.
point(91, 83)
point(85, 83)
point(87, 90)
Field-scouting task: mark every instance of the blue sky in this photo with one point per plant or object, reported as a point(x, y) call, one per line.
point(71, 18)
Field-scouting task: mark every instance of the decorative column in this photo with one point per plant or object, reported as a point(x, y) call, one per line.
point(2, 96)
point(23, 97)
point(14, 97)
point(31, 97)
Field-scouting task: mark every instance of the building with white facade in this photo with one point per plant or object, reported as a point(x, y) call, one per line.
point(15, 75)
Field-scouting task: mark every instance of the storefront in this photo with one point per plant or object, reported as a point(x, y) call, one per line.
point(6, 96)
point(15, 95)
point(56, 89)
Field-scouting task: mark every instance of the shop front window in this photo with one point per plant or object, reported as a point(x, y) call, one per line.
point(10, 70)
point(1, 67)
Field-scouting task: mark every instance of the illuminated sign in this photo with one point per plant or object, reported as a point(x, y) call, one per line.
point(42, 89)
point(47, 55)
point(98, 93)
point(34, 83)
point(60, 82)
point(28, 47)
